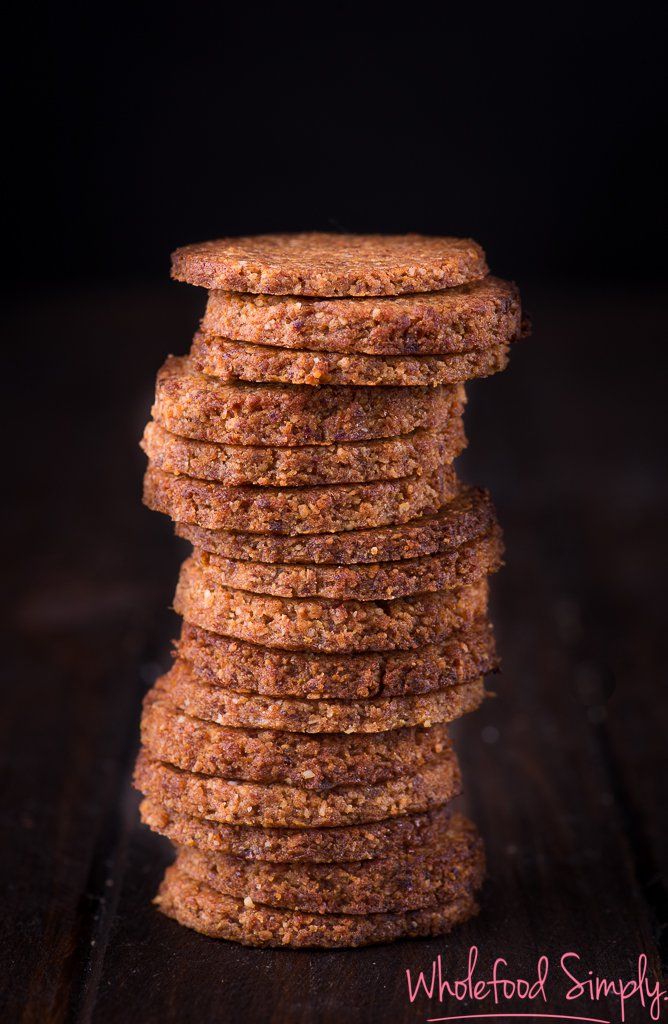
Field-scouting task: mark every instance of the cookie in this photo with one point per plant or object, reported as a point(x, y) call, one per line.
point(192, 405)
point(319, 263)
point(276, 805)
point(247, 668)
point(469, 514)
point(392, 837)
point(408, 881)
point(198, 906)
point(183, 689)
point(316, 624)
point(418, 453)
point(232, 361)
point(297, 510)
point(378, 581)
point(471, 318)
point(316, 762)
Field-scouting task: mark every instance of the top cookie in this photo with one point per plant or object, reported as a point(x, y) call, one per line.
point(318, 263)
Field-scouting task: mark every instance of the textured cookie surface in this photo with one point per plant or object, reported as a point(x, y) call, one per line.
point(307, 465)
point(469, 514)
point(390, 837)
point(377, 581)
point(316, 762)
point(193, 405)
point(316, 624)
point(319, 263)
point(465, 319)
point(247, 668)
point(232, 361)
point(277, 805)
point(297, 510)
point(198, 906)
point(183, 689)
point(427, 878)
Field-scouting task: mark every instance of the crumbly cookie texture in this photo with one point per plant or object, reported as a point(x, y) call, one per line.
point(419, 453)
point(392, 837)
point(378, 581)
point(193, 405)
point(316, 762)
point(297, 510)
point(316, 624)
point(184, 690)
point(427, 878)
point(469, 514)
point(247, 668)
point(276, 805)
point(233, 361)
point(320, 263)
point(469, 318)
point(198, 906)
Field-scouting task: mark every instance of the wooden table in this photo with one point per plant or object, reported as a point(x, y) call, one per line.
point(565, 769)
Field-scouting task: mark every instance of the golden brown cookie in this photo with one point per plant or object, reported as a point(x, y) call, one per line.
point(418, 453)
point(198, 906)
point(276, 805)
point(390, 837)
point(297, 510)
point(316, 624)
point(378, 581)
point(320, 263)
point(470, 318)
point(315, 762)
point(233, 361)
point(192, 405)
point(183, 689)
point(469, 514)
point(248, 668)
point(407, 881)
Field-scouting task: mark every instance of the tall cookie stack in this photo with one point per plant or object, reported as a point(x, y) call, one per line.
point(335, 603)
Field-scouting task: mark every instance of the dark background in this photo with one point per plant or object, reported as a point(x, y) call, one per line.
point(536, 132)
point(131, 131)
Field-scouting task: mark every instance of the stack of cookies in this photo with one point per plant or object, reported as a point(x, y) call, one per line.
point(335, 601)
